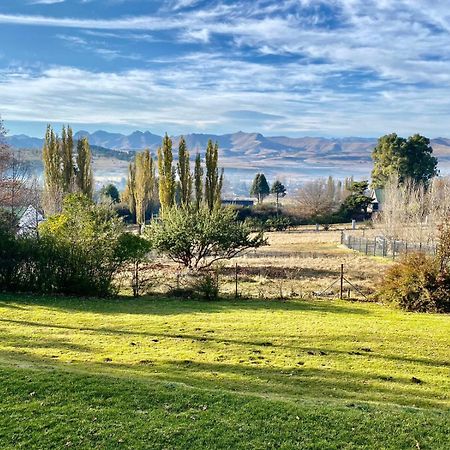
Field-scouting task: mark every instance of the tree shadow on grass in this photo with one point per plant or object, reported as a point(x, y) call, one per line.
point(293, 384)
point(171, 306)
point(205, 337)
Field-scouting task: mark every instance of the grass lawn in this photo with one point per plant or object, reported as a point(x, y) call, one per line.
point(179, 374)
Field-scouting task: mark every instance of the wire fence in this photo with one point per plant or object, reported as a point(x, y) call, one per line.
point(382, 246)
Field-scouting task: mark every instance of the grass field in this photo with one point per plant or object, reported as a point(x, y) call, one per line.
point(184, 374)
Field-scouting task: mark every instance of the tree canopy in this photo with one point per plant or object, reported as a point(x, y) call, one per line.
point(197, 238)
point(406, 158)
point(260, 187)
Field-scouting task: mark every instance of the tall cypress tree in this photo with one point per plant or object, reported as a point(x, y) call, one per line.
point(130, 187)
point(184, 173)
point(213, 181)
point(260, 188)
point(67, 160)
point(143, 184)
point(85, 176)
point(52, 160)
point(198, 181)
point(166, 174)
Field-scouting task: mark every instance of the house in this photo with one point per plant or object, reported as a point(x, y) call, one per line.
point(29, 218)
point(378, 197)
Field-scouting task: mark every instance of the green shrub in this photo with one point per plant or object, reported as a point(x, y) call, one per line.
point(206, 286)
point(417, 283)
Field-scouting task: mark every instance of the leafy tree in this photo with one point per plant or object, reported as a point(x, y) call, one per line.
point(144, 177)
point(166, 174)
point(260, 188)
point(84, 246)
point(198, 181)
point(406, 158)
point(111, 193)
point(278, 190)
point(357, 202)
point(52, 160)
point(67, 169)
point(85, 176)
point(129, 193)
point(213, 181)
point(197, 238)
point(184, 173)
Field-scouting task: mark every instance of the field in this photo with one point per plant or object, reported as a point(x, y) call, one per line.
point(165, 373)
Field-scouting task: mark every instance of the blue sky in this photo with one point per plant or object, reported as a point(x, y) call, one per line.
point(293, 67)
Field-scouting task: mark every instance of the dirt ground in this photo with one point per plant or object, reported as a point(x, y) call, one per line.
point(300, 263)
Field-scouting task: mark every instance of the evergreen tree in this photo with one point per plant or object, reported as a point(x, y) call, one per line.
point(260, 188)
point(143, 184)
point(85, 176)
point(198, 181)
point(109, 194)
point(404, 158)
point(278, 190)
point(52, 161)
point(67, 169)
point(184, 173)
point(166, 174)
point(129, 193)
point(213, 181)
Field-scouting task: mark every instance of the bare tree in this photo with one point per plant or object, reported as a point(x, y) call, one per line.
point(316, 198)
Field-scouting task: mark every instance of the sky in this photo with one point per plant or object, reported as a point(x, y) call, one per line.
point(293, 67)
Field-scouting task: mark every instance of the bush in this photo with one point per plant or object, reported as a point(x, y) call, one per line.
point(78, 252)
point(196, 239)
point(417, 283)
point(206, 286)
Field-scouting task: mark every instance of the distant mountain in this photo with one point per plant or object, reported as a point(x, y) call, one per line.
point(243, 154)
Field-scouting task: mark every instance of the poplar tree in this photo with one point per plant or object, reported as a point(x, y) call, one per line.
point(85, 177)
point(130, 187)
point(213, 181)
point(184, 173)
point(166, 174)
point(198, 181)
point(52, 161)
point(67, 169)
point(144, 180)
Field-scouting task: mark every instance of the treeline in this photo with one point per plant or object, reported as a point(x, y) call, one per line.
point(160, 182)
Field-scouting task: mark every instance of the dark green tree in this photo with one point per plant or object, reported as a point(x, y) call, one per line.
point(260, 187)
point(166, 172)
point(198, 181)
point(85, 175)
point(355, 205)
point(410, 158)
point(278, 190)
point(110, 193)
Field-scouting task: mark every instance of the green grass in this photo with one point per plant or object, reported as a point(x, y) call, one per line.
point(165, 374)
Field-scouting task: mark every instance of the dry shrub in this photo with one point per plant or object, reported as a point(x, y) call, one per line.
point(417, 283)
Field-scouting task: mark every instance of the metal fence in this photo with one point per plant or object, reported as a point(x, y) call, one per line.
point(381, 246)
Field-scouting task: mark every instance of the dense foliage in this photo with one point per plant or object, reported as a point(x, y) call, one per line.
point(196, 238)
point(260, 187)
point(410, 158)
point(78, 252)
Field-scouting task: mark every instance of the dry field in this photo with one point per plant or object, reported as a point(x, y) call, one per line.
point(296, 264)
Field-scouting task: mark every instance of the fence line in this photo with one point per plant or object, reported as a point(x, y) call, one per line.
point(382, 246)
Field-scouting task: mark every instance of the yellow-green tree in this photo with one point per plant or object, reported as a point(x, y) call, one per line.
point(184, 173)
point(67, 168)
point(213, 181)
point(166, 173)
point(143, 186)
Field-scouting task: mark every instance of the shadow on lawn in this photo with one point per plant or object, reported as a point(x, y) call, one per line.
point(206, 337)
point(260, 380)
point(171, 306)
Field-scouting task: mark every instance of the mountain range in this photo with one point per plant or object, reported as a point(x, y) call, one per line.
point(243, 154)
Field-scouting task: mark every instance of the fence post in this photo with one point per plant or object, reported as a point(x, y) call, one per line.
point(367, 246)
point(342, 237)
point(236, 293)
point(342, 282)
point(384, 247)
point(375, 246)
point(393, 249)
